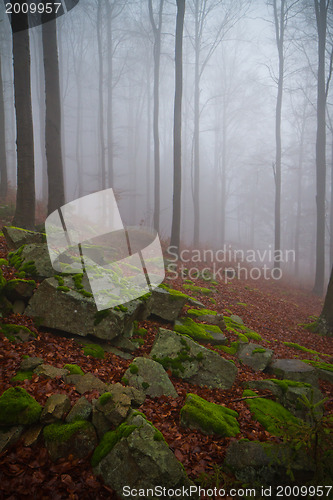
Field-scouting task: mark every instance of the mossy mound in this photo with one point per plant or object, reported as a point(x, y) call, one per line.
point(17, 407)
point(174, 293)
point(74, 369)
point(201, 312)
point(109, 440)
point(197, 331)
point(16, 333)
point(243, 332)
point(60, 432)
point(273, 416)
point(304, 349)
point(94, 350)
point(284, 384)
point(319, 365)
point(22, 375)
point(208, 417)
point(198, 289)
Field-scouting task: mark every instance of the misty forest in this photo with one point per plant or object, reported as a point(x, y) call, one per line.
point(212, 122)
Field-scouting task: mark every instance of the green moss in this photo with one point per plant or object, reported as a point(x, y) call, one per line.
point(176, 364)
point(94, 350)
point(158, 436)
point(133, 368)
point(77, 279)
point(63, 432)
point(304, 349)
point(105, 398)
point(211, 418)
point(17, 407)
point(270, 414)
point(85, 293)
point(74, 369)
point(174, 293)
point(11, 330)
point(63, 289)
point(258, 350)
point(109, 440)
point(145, 297)
point(121, 307)
point(198, 289)
point(201, 312)
point(141, 331)
point(100, 315)
point(145, 385)
point(11, 284)
point(196, 331)
point(232, 349)
point(244, 333)
point(22, 375)
point(125, 380)
point(59, 279)
point(319, 365)
point(285, 383)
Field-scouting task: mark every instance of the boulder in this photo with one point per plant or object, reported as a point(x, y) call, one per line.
point(207, 316)
point(294, 369)
point(192, 362)
point(166, 304)
point(150, 377)
point(16, 237)
point(34, 259)
point(17, 407)
point(136, 456)
point(32, 435)
point(50, 371)
point(9, 436)
point(205, 334)
point(56, 407)
point(109, 413)
point(77, 438)
point(75, 313)
point(136, 396)
point(255, 356)
point(81, 410)
point(85, 383)
point(28, 364)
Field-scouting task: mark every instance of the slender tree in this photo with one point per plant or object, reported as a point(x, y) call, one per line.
point(25, 195)
point(177, 128)
point(3, 157)
point(53, 147)
point(325, 322)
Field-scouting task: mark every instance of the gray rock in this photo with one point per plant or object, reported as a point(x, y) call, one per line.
point(28, 364)
point(56, 407)
point(325, 375)
point(85, 383)
point(136, 396)
point(213, 319)
point(74, 313)
point(38, 254)
point(50, 371)
point(8, 437)
point(141, 461)
point(80, 441)
point(192, 362)
point(150, 377)
point(16, 237)
point(18, 307)
point(294, 369)
point(165, 305)
point(195, 303)
point(258, 361)
point(20, 290)
point(108, 413)
point(237, 319)
point(32, 435)
point(81, 410)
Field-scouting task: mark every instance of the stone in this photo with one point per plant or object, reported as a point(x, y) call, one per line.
point(10, 436)
point(237, 319)
point(85, 383)
point(195, 303)
point(255, 356)
point(192, 362)
point(38, 256)
point(77, 438)
point(28, 364)
point(141, 459)
point(20, 290)
point(32, 435)
point(77, 314)
point(17, 407)
point(81, 410)
point(136, 396)
point(325, 375)
point(16, 237)
point(150, 377)
point(56, 407)
point(109, 413)
point(201, 332)
point(18, 307)
point(294, 369)
point(50, 371)
point(165, 304)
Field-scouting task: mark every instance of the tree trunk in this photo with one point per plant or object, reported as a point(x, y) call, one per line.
point(56, 188)
point(177, 129)
point(331, 210)
point(325, 322)
point(25, 196)
point(3, 157)
point(100, 95)
point(196, 137)
point(109, 117)
point(321, 17)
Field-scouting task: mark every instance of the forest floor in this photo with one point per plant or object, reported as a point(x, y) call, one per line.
point(272, 309)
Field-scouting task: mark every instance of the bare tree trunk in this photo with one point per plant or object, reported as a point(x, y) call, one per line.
point(157, 57)
point(321, 17)
point(100, 94)
point(299, 196)
point(196, 137)
point(331, 210)
point(56, 188)
point(325, 322)
point(109, 117)
point(148, 154)
point(3, 156)
point(177, 129)
point(25, 196)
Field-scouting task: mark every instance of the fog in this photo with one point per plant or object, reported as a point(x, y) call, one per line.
point(106, 63)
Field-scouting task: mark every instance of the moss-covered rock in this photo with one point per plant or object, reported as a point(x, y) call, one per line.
point(208, 417)
point(17, 407)
point(109, 440)
point(74, 369)
point(201, 332)
point(93, 350)
point(77, 438)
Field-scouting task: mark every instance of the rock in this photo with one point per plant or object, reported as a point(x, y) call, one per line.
point(20, 290)
point(28, 364)
point(139, 459)
point(17, 407)
point(150, 377)
point(50, 371)
point(31, 435)
point(208, 418)
point(236, 319)
point(255, 356)
point(166, 304)
point(18, 307)
point(212, 319)
point(192, 362)
point(34, 259)
point(56, 407)
point(205, 334)
point(195, 303)
point(266, 463)
point(16, 237)
point(289, 394)
point(136, 396)
point(80, 411)
point(77, 314)
point(325, 375)
point(109, 413)
point(294, 369)
point(10, 436)
point(86, 383)
point(77, 438)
